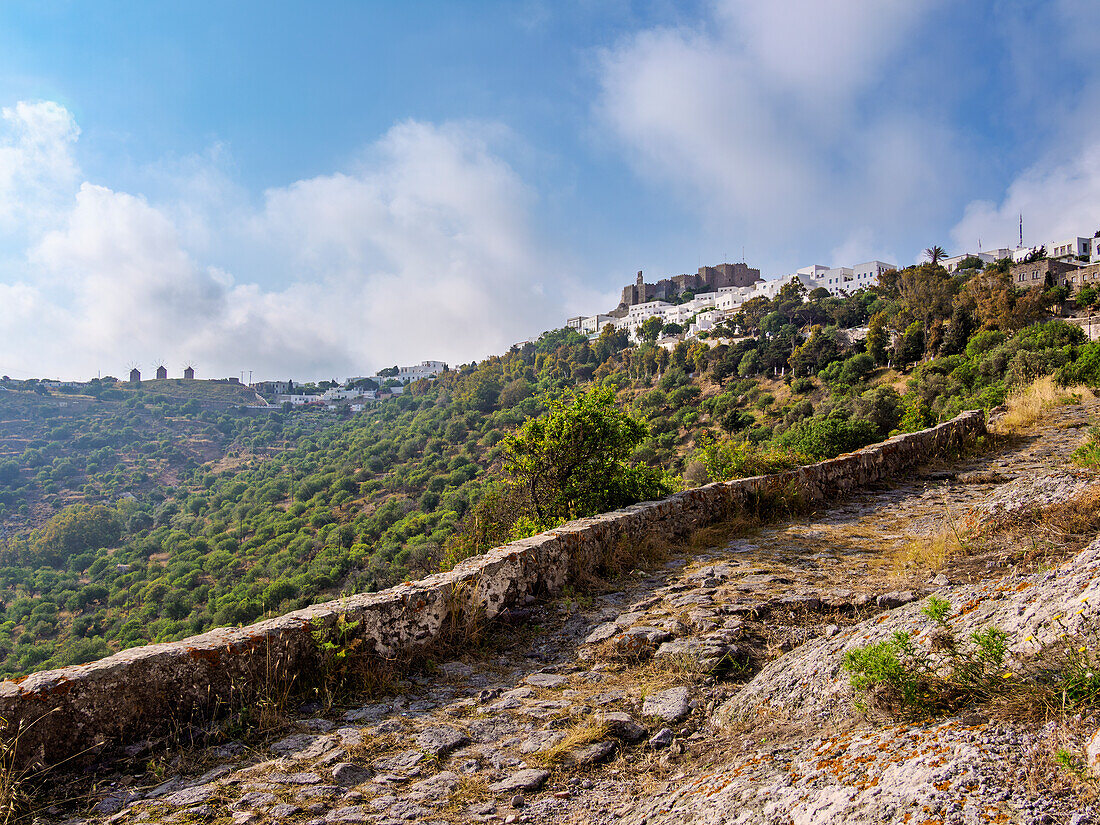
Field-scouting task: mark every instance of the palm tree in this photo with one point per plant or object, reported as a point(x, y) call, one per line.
point(935, 254)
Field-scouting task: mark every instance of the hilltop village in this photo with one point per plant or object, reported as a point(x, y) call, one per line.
point(691, 306)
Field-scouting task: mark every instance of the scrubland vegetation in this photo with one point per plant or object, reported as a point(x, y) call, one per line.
point(134, 516)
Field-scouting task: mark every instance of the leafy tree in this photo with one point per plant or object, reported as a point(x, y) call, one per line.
point(925, 292)
point(994, 302)
point(611, 342)
point(77, 528)
point(752, 312)
point(651, 328)
point(734, 420)
point(970, 262)
point(573, 461)
point(818, 351)
point(958, 331)
point(1088, 298)
point(881, 406)
point(910, 346)
point(1037, 254)
point(877, 337)
point(482, 391)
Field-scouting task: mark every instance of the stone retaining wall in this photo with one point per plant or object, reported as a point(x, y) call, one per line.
point(82, 710)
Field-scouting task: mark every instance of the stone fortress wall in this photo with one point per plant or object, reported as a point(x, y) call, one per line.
point(707, 279)
point(76, 713)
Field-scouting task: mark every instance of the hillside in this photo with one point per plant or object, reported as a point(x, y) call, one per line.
point(197, 519)
point(709, 683)
point(205, 392)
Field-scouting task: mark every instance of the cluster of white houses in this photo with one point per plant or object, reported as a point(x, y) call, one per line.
point(705, 310)
point(1075, 249)
point(358, 389)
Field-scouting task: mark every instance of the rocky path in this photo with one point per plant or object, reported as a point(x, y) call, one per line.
point(601, 708)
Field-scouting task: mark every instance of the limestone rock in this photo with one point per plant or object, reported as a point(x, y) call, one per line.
point(546, 680)
point(530, 779)
point(1092, 751)
point(669, 706)
point(896, 598)
point(662, 738)
point(440, 740)
point(190, 796)
point(349, 774)
point(400, 762)
point(592, 754)
point(622, 726)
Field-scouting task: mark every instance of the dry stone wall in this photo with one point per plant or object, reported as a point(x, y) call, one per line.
point(79, 712)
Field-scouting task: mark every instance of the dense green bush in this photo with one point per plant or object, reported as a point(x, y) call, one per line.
point(827, 436)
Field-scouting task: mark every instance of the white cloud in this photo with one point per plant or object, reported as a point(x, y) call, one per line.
point(859, 246)
point(423, 250)
point(37, 169)
point(1056, 98)
point(1056, 199)
point(771, 119)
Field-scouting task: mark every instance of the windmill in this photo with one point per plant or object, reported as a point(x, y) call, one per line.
point(189, 372)
point(162, 371)
point(135, 372)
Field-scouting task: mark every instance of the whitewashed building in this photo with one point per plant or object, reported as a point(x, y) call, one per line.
point(1071, 249)
point(590, 324)
point(297, 400)
point(867, 274)
point(425, 369)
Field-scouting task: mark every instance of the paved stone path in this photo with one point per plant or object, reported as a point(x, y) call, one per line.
point(597, 707)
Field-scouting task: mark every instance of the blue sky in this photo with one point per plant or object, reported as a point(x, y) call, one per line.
point(321, 189)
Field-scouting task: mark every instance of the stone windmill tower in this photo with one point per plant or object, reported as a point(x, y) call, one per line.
point(135, 373)
point(162, 371)
point(189, 372)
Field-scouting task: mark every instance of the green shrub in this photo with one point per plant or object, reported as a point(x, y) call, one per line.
point(725, 460)
point(1088, 454)
point(827, 436)
point(903, 678)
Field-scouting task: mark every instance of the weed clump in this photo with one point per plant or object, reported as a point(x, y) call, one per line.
point(903, 678)
point(1088, 454)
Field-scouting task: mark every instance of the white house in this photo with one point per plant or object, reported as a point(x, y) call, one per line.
point(867, 274)
point(841, 280)
point(1070, 248)
point(590, 324)
point(425, 369)
point(952, 264)
point(297, 400)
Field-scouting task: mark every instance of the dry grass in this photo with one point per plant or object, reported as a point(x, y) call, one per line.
point(588, 730)
point(1057, 765)
point(14, 795)
point(470, 789)
point(377, 745)
point(1027, 404)
point(1026, 538)
point(922, 555)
